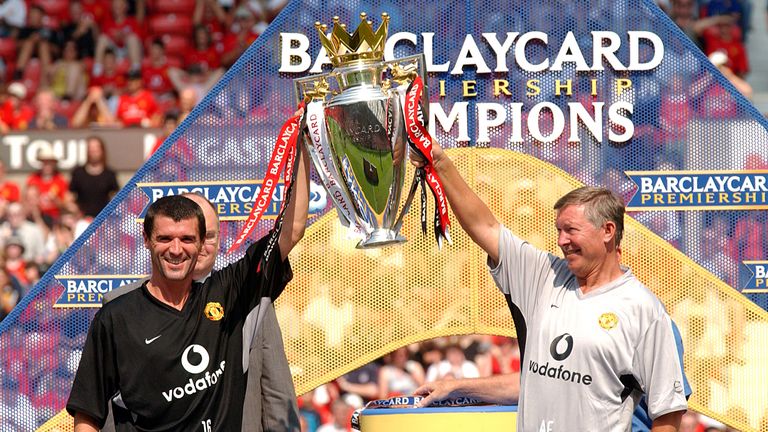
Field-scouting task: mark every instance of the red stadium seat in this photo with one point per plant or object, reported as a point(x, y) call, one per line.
point(171, 24)
point(58, 9)
point(8, 49)
point(67, 108)
point(176, 44)
point(31, 77)
point(172, 6)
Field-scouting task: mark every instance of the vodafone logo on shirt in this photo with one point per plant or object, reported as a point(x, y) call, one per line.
point(204, 359)
point(560, 349)
point(195, 361)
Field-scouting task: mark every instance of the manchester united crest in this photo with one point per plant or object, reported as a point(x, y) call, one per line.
point(608, 320)
point(214, 311)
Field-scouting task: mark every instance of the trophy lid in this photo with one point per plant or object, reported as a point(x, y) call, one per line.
point(364, 45)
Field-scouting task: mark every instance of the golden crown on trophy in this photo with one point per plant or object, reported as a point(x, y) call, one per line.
point(364, 45)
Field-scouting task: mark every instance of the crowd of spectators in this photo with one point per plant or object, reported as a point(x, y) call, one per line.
point(328, 407)
point(106, 63)
point(116, 62)
point(40, 224)
point(715, 26)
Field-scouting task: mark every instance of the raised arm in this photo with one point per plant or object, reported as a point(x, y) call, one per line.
point(295, 222)
point(472, 213)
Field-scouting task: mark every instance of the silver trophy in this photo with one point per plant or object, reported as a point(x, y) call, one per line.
point(356, 130)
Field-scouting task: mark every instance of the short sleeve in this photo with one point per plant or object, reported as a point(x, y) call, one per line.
point(522, 271)
point(252, 278)
point(95, 382)
point(658, 369)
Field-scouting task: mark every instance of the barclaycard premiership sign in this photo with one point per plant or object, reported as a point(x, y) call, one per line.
point(645, 52)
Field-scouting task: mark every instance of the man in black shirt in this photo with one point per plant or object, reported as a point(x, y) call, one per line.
point(270, 399)
point(171, 353)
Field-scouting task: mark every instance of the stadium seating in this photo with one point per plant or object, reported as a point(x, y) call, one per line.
point(173, 24)
point(58, 9)
point(172, 6)
point(175, 45)
point(7, 49)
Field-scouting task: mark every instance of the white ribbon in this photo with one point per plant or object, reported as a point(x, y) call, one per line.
point(320, 151)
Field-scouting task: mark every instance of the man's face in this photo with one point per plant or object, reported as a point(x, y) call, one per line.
point(582, 243)
point(174, 247)
point(210, 249)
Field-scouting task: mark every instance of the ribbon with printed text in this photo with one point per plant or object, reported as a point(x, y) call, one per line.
point(282, 160)
point(420, 140)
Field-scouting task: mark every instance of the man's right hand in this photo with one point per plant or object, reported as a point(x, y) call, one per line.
point(434, 392)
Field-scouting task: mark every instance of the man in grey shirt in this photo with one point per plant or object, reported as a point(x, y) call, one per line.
point(593, 338)
point(270, 400)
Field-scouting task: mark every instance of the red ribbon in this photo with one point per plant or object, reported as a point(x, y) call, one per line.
point(282, 157)
point(419, 137)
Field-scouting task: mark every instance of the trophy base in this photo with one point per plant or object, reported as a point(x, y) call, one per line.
point(379, 238)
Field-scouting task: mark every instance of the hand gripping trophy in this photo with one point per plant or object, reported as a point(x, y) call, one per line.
point(359, 119)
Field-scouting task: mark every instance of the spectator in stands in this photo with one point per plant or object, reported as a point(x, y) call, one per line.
point(454, 366)
point(689, 422)
point(361, 381)
point(9, 190)
point(31, 235)
point(111, 77)
point(122, 33)
point(68, 78)
point(137, 106)
point(61, 236)
point(35, 39)
point(195, 78)
point(505, 356)
point(15, 264)
point(93, 111)
point(340, 419)
point(30, 200)
point(13, 15)
point(430, 352)
point(212, 17)
point(720, 60)
point(15, 114)
point(94, 184)
point(739, 10)
point(80, 28)
point(204, 53)
point(155, 71)
point(309, 412)
point(242, 34)
point(97, 10)
point(33, 273)
point(188, 98)
point(727, 37)
point(50, 183)
point(685, 14)
point(399, 375)
point(46, 117)
point(10, 293)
